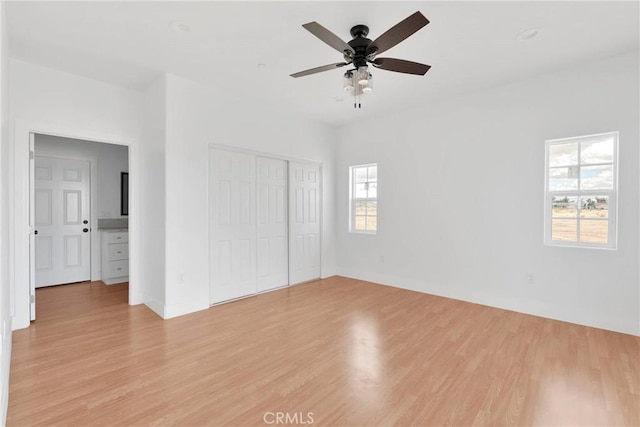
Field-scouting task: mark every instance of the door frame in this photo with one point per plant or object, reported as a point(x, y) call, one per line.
point(279, 157)
point(19, 217)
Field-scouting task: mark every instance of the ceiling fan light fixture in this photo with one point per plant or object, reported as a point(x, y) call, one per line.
point(363, 75)
point(348, 85)
point(369, 87)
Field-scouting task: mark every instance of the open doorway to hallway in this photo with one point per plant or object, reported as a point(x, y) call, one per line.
point(79, 211)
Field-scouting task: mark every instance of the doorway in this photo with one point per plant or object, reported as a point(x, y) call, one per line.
point(76, 198)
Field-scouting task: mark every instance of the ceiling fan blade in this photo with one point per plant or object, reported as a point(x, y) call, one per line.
point(401, 66)
point(320, 69)
point(328, 37)
point(397, 33)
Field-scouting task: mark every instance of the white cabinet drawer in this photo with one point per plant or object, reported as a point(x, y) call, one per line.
point(118, 268)
point(119, 237)
point(117, 251)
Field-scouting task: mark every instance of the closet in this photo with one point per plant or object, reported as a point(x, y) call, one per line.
point(264, 215)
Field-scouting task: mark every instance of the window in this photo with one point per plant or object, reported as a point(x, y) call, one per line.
point(363, 196)
point(581, 191)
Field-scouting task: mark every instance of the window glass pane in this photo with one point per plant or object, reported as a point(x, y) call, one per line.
point(596, 177)
point(594, 231)
point(361, 190)
point(373, 173)
point(563, 154)
point(372, 223)
point(360, 223)
point(564, 207)
point(372, 208)
point(594, 207)
point(563, 178)
point(361, 208)
point(360, 174)
point(564, 229)
point(373, 189)
point(599, 151)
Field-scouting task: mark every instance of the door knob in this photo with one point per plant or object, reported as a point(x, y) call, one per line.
point(84, 230)
point(85, 222)
point(35, 232)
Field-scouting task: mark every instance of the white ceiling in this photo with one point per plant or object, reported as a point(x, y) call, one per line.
point(470, 45)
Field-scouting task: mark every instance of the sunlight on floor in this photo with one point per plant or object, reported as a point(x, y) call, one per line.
point(565, 402)
point(365, 359)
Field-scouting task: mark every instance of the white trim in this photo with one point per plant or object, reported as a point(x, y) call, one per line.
point(19, 216)
point(155, 306)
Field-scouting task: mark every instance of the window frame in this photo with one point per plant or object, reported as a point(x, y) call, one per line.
point(612, 194)
point(353, 200)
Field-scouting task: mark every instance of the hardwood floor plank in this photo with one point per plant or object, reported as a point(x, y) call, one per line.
point(347, 351)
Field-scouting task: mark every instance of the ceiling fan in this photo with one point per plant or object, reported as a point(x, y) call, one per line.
point(362, 51)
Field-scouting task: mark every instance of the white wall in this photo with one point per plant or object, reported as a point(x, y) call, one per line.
point(48, 101)
point(197, 117)
point(107, 162)
point(152, 197)
point(461, 197)
point(5, 295)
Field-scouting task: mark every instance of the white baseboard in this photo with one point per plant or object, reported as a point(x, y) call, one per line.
point(180, 310)
point(476, 295)
point(155, 306)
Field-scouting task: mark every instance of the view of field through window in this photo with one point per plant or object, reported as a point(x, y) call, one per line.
point(581, 185)
point(593, 212)
point(364, 198)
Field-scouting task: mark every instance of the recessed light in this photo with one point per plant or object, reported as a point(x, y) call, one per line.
point(261, 65)
point(180, 27)
point(338, 99)
point(528, 34)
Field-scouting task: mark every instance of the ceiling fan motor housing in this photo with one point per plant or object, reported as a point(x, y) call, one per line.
point(359, 44)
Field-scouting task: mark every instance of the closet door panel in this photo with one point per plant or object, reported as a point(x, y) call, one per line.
point(232, 225)
point(272, 224)
point(304, 226)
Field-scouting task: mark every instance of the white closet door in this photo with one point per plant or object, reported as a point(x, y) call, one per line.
point(304, 222)
point(272, 254)
point(233, 226)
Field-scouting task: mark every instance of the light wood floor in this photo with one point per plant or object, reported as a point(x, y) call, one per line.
point(350, 353)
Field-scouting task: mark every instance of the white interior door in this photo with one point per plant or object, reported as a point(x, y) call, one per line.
point(304, 222)
point(233, 226)
point(62, 241)
point(272, 244)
